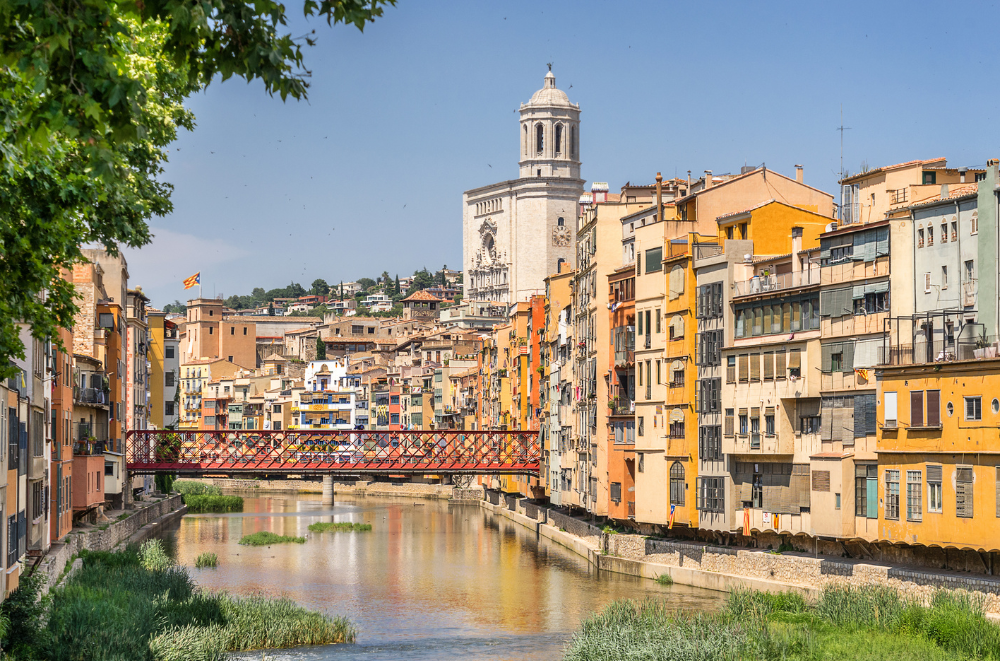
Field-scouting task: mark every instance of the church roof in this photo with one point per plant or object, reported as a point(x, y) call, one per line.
point(549, 95)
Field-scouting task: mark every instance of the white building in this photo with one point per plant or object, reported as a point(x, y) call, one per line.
point(331, 398)
point(517, 232)
point(299, 307)
point(377, 303)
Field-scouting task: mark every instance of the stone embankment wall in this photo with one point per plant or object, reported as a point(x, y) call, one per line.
point(140, 524)
point(359, 488)
point(726, 568)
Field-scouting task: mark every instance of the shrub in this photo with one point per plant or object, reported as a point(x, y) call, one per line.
point(665, 579)
point(345, 526)
point(195, 488)
point(211, 503)
point(266, 538)
point(153, 556)
point(209, 560)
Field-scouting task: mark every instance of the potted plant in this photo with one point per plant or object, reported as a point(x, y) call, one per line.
point(613, 403)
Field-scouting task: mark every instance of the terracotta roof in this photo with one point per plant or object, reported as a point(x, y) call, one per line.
point(954, 192)
point(422, 296)
point(868, 173)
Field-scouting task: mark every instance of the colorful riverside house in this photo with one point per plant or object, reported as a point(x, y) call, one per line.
point(621, 391)
point(559, 453)
point(937, 481)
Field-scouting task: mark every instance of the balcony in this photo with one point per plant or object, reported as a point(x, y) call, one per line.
point(766, 284)
point(92, 396)
point(706, 250)
point(939, 351)
point(84, 432)
point(619, 407)
point(624, 338)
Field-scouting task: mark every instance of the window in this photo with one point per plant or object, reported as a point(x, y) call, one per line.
point(616, 492)
point(934, 488)
point(211, 330)
point(890, 403)
point(729, 232)
point(973, 408)
point(920, 238)
point(677, 485)
point(559, 138)
point(944, 232)
point(964, 478)
point(954, 231)
point(744, 422)
point(769, 421)
point(914, 492)
point(866, 490)
point(929, 178)
point(754, 428)
point(539, 139)
point(658, 329)
point(232, 330)
point(710, 443)
point(658, 375)
point(916, 408)
point(944, 277)
point(711, 494)
point(642, 426)
point(837, 362)
point(168, 408)
point(930, 235)
point(168, 379)
point(654, 260)
point(168, 352)
point(393, 418)
point(728, 422)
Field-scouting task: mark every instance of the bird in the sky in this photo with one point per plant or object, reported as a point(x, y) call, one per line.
point(489, 164)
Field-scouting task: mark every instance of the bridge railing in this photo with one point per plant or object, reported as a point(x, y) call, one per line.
point(329, 451)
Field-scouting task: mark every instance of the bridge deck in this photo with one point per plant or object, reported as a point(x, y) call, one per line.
point(414, 452)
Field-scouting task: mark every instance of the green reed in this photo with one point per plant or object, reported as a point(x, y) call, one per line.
point(213, 503)
point(209, 560)
point(345, 526)
point(267, 538)
point(195, 488)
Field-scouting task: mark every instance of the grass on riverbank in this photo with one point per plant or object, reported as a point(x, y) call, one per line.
point(115, 608)
point(213, 503)
point(195, 488)
point(866, 624)
point(266, 538)
point(209, 560)
point(665, 579)
point(345, 526)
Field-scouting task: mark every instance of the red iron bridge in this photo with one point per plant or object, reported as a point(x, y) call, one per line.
point(327, 452)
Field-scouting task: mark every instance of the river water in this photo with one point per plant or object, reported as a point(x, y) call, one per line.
point(432, 580)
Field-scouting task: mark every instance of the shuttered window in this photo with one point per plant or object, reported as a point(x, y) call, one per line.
point(795, 359)
point(933, 408)
point(914, 499)
point(768, 366)
point(779, 364)
point(728, 422)
point(964, 478)
point(744, 367)
point(837, 356)
point(890, 410)
point(836, 302)
point(755, 367)
point(934, 491)
point(916, 408)
point(821, 481)
point(730, 369)
point(891, 504)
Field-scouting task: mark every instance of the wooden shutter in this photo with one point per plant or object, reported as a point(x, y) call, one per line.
point(916, 408)
point(795, 359)
point(934, 474)
point(728, 421)
point(744, 361)
point(826, 425)
point(779, 365)
point(755, 367)
point(933, 408)
point(821, 480)
point(964, 492)
point(998, 491)
point(768, 366)
point(837, 427)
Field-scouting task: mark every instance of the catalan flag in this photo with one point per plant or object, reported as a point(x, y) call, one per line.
point(863, 373)
point(193, 280)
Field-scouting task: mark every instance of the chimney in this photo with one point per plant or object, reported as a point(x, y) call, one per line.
point(798, 173)
point(659, 196)
point(796, 248)
point(944, 191)
point(708, 179)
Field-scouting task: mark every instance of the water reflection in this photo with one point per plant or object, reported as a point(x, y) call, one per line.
point(432, 580)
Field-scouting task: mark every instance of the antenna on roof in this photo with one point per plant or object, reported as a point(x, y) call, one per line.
point(842, 128)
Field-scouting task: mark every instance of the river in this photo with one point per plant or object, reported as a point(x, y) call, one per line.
point(432, 580)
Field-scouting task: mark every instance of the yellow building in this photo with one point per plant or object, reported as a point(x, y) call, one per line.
point(937, 480)
point(769, 226)
point(156, 320)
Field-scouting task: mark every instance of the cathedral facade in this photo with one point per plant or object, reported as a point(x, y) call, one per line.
point(517, 232)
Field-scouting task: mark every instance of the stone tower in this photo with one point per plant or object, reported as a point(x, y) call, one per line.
point(517, 232)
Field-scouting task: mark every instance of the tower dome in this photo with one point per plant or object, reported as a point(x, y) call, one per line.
point(550, 133)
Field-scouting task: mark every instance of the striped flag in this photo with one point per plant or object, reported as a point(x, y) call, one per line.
point(670, 525)
point(193, 280)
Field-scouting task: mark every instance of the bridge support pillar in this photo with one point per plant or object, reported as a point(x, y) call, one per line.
point(328, 489)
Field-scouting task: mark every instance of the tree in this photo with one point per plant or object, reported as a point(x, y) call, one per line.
point(90, 96)
point(319, 287)
point(320, 349)
point(422, 280)
point(176, 306)
point(270, 309)
point(398, 292)
point(366, 283)
point(259, 296)
point(294, 290)
point(341, 297)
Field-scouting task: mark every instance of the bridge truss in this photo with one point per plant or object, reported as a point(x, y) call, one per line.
point(414, 452)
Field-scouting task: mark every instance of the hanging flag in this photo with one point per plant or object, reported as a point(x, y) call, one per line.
point(746, 520)
point(775, 522)
point(862, 372)
point(193, 280)
point(670, 525)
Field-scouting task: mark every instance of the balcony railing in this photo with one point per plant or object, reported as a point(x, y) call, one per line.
point(85, 431)
point(621, 407)
point(706, 250)
point(938, 351)
point(90, 396)
point(90, 448)
point(763, 284)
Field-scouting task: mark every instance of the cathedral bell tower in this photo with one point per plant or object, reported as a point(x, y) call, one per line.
point(550, 133)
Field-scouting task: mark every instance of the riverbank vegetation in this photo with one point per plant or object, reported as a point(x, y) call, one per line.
point(116, 607)
point(217, 504)
point(864, 624)
point(345, 526)
point(266, 538)
point(195, 488)
point(209, 560)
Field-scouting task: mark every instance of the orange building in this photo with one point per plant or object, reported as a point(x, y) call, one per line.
point(61, 470)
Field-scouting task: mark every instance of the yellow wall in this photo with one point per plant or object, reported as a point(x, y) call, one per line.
point(956, 442)
point(770, 228)
point(156, 373)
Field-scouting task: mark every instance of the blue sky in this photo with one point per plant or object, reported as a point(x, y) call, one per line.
point(367, 175)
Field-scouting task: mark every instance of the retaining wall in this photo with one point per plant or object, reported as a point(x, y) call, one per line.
point(725, 568)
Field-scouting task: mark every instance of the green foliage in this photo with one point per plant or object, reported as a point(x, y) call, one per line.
point(91, 94)
point(212, 503)
point(196, 488)
point(319, 287)
point(867, 623)
point(164, 482)
point(421, 280)
point(345, 526)
point(24, 614)
point(665, 579)
point(267, 538)
point(209, 560)
point(153, 556)
point(320, 349)
point(176, 306)
point(115, 608)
